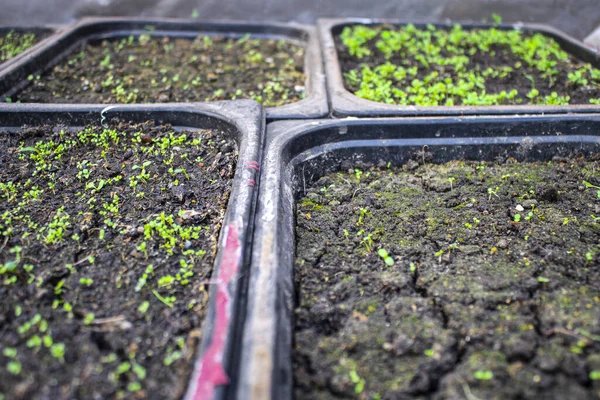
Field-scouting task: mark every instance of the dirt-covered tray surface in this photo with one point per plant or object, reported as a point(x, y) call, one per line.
point(107, 242)
point(430, 66)
point(462, 280)
point(14, 43)
point(148, 69)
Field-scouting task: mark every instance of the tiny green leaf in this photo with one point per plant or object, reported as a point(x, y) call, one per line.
point(144, 307)
point(58, 350)
point(360, 386)
point(47, 339)
point(10, 352)
point(122, 368)
point(139, 371)
point(14, 367)
point(354, 376)
point(483, 375)
point(89, 318)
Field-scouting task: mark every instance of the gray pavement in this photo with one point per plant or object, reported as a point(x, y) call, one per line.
point(576, 17)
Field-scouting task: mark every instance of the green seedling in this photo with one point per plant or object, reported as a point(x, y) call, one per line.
point(144, 307)
point(9, 352)
point(167, 301)
point(88, 319)
point(589, 185)
point(359, 382)
point(143, 248)
point(386, 257)
point(364, 212)
point(367, 242)
point(86, 281)
point(412, 267)
point(57, 227)
point(493, 192)
point(358, 174)
point(14, 367)
point(439, 254)
point(171, 357)
point(451, 180)
point(144, 278)
point(530, 214)
point(58, 351)
point(166, 281)
point(483, 375)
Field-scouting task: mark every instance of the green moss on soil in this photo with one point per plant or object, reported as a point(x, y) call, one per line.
point(474, 303)
point(148, 69)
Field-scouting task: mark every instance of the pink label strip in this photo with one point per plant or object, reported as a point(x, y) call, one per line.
point(212, 372)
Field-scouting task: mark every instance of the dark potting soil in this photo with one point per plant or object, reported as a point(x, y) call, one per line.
point(12, 44)
point(463, 280)
point(153, 70)
point(431, 67)
point(108, 238)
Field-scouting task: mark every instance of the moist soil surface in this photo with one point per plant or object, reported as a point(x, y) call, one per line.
point(151, 70)
point(12, 44)
point(466, 299)
point(429, 67)
point(108, 238)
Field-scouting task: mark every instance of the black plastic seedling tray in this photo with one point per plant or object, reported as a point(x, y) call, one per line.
point(243, 120)
point(314, 105)
point(41, 31)
point(344, 103)
point(298, 153)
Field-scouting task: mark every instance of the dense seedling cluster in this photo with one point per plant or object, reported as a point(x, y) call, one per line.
point(149, 69)
point(462, 280)
point(107, 240)
point(445, 67)
point(13, 43)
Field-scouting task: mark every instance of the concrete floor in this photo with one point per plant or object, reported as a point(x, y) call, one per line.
point(575, 17)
